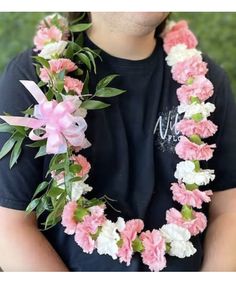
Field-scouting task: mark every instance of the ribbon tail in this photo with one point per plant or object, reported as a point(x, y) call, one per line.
point(22, 121)
point(36, 92)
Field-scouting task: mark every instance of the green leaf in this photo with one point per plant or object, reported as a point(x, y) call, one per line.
point(80, 27)
point(105, 81)
point(75, 179)
point(51, 220)
point(79, 72)
point(90, 55)
point(61, 75)
point(108, 92)
point(69, 52)
point(20, 130)
point(55, 216)
point(80, 39)
point(41, 152)
point(37, 68)
point(7, 147)
point(32, 205)
point(29, 111)
point(37, 143)
point(42, 61)
point(78, 19)
point(55, 191)
point(94, 104)
point(6, 128)
point(39, 209)
point(47, 203)
point(41, 84)
point(95, 52)
point(84, 59)
point(75, 168)
point(49, 94)
point(86, 82)
point(16, 152)
point(57, 166)
point(56, 159)
point(42, 186)
point(60, 85)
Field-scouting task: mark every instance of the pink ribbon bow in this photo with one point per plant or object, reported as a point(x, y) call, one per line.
point(53, 121)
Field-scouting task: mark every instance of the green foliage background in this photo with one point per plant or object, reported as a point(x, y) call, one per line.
point(216, 33)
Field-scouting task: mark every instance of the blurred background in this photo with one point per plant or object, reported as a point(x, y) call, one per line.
point(216, 33)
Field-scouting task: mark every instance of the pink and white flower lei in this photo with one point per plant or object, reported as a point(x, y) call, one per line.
point(63, 123)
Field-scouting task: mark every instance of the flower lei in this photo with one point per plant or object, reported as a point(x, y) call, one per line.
point(57, 126)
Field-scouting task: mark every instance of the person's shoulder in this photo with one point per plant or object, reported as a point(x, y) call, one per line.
point(13, 95)
point(22, 66)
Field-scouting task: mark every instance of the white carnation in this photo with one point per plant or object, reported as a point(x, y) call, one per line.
point(178, 238)
point(52, 49)
point(182, 249)
point(78, 189)
point(106, 242)
point(190, 109)
point(185, 171)
point(173, 232)
point(179, 53)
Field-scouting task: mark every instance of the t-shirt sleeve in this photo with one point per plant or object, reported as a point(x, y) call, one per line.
point(224, 158)
point(18, 184)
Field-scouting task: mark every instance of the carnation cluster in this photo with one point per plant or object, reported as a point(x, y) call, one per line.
point(57, 126)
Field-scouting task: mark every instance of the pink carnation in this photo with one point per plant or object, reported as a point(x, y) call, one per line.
point(128, 235)
point(189, 127)
point(179, 34)
point(179, 25)
point(188, 150)
point(61, 21)
point(56, 66)
point(72, 84)
point(84, 240)
point(189, 68)
point(201, 88)
point(68, 219)
point(154, 250)
point(45, 36)
point(194, 226)
point(44, 75)
point(193, 198)
point(83, 162)
point(89, 226)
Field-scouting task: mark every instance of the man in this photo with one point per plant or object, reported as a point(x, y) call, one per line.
point(132, 160)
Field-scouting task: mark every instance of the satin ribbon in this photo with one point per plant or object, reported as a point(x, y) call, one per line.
point(53, 121)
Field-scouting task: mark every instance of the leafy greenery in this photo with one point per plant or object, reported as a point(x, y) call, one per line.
point(214, 30)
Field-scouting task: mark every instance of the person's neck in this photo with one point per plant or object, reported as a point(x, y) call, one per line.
point(122, 45)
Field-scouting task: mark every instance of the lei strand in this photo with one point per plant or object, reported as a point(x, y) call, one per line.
point(57, 126)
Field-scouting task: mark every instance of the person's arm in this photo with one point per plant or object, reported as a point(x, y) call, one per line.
point(220, 241)
point(23, 247)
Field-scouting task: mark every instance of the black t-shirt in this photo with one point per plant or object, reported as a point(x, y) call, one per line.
point(132, 153)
